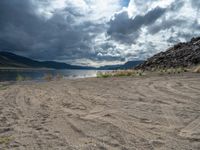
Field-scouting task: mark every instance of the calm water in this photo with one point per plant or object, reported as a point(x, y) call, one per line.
point(11, 75)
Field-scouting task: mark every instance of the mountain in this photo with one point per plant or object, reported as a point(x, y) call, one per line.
point(11, 60)
point(128, 65)
point(109, 67)
point(181, 55)
point(8, 59)
point(131, 64)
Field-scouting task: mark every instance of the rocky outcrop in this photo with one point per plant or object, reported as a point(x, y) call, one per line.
point(180, 55)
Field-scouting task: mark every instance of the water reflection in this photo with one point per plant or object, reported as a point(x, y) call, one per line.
point(12, 75)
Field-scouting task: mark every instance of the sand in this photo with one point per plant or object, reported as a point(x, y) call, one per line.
point(146, 113)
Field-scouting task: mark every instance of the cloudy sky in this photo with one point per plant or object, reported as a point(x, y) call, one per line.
point(95, 32)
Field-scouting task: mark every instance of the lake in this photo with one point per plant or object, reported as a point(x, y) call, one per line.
point(12, 75)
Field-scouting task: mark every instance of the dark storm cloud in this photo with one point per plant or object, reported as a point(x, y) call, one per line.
point(121, 25)
point(195, 3)
point(23, 31)
point(177, 5)
point(169, 23)
point(14, 17)
point(165, 24)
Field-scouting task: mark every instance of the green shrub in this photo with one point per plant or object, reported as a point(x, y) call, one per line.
point(20, 78)
point(103, 75)
point(161, 72)
point(119, 73)
point(3, 87)
point(48, 77)
point(5, 140)
point(180, 70)
point(59, 77)
point(138, 73)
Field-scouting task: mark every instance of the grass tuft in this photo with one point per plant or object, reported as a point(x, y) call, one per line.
point(59, 77)
point(20, 78)
point(5, 140)
point(3, 87)
point(139, 73)
point(48, 77)
point(120, 73)
point(103, 75)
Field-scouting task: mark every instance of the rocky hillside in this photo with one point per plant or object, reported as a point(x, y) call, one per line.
point(180, 55)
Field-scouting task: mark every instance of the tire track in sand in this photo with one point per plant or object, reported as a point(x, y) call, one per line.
point(172, 119)
point(127, 127)
point(192, 130)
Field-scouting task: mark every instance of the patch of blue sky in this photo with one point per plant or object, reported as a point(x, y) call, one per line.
point(125, 3)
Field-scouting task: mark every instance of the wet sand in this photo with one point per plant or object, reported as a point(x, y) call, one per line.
point(146, 113)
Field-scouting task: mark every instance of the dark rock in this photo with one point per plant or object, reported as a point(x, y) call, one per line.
point(180, 55)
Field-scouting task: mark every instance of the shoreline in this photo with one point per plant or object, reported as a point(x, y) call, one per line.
point(66, 78)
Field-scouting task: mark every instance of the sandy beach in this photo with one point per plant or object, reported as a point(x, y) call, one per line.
point(144, 113)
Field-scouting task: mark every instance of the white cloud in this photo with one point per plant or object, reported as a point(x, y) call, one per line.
point(92, 10)
point(141, 7)
point(176, 25)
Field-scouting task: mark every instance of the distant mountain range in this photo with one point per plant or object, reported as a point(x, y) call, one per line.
point(10, 60)
point(181, 55)
point(128, 65)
